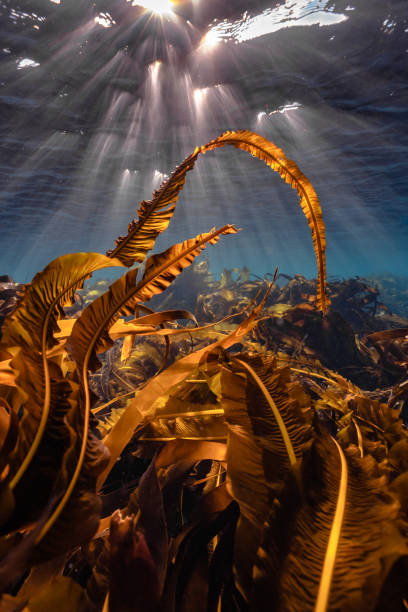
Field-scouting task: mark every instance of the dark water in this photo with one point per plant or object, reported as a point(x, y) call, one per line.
point(89, 126)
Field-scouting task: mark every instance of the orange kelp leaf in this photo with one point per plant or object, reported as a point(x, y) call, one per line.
point(34, 320)
point(263, 149)
point(57, 467)
point(267, 434)
point(153, 217)
point(90, 332)
point(267, 431)
point(62, 594)
point(149, 322)
point(331, 542)
point(34, 481)
point(190, 450)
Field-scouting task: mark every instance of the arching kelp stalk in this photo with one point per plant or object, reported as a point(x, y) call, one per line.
point(154, 215)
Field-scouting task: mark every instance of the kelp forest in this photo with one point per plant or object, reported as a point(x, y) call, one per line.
point(237, 446)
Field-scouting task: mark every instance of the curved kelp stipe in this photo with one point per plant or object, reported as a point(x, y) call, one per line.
point(31, 327)
point(90, 332)
point(333, 539)
point(154, 215)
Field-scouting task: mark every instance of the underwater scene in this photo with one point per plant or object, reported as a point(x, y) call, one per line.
point(203, 306)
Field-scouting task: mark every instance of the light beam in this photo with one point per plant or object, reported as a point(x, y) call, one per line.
point(160, 7)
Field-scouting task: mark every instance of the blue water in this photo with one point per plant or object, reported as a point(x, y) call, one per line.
point(90, 125)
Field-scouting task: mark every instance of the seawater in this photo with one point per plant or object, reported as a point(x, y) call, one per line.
point(95, 115)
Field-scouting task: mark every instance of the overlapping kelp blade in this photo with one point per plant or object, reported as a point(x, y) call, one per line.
point(90, 333)
point(53, 429)
point(132, 562)
point(50, 472)
point(154, 215)
point(31, 327)
point(74, 521)
point(62, 594)
point(267, 435)
point(143, 405)
point(43, 475)
point(190, 450)
point(267, 431)
point(34, 320)
point(122, 328)
point(187, 586)
point(188, 416)
point(333, 539)
point(153, 521)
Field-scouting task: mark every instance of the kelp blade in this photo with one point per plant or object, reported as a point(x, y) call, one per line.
point(154, 215)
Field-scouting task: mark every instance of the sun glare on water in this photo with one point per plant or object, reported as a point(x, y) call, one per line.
point(161, 7)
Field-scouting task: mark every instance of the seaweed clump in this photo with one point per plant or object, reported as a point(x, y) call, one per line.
point(257, 476)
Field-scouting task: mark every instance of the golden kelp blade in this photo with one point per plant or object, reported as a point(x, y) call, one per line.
point(275, 158)
point(34, 321)
point(274, 409)
point(333, 538)
point(90, 333)
point(91, 329)
point(154, 215)
point(267, 434)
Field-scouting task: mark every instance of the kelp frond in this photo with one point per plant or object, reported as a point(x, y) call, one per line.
point(32, 324)
point(332, 541)
point(263, 149)
point(90, 332)
point(154, 215)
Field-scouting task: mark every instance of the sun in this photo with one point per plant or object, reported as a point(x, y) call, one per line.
point(160, 7)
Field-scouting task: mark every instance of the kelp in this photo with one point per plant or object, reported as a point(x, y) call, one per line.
point(143, 407)
point(266, 436)
point(31, 487)
point(34, 320)
point(267, 432)
point(273, 480)
point(333, 540)
point(154, 215)
point(89, 336)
